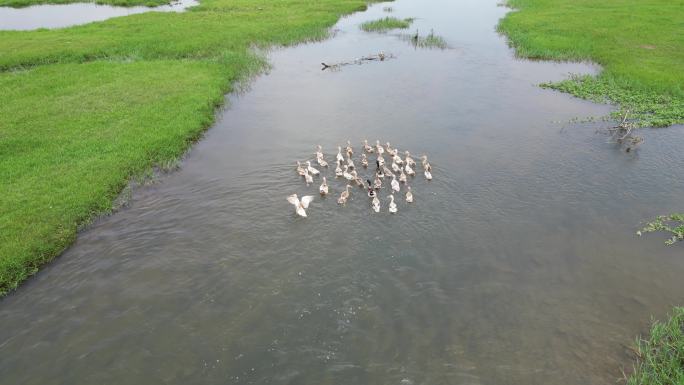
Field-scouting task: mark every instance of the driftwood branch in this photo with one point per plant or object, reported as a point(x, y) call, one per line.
point(364, 59)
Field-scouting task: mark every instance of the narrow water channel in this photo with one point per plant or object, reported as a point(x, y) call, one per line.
point(517, 264)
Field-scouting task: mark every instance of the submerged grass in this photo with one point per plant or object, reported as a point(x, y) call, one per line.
point(660, 358)
point(672, 224)
point(428, 41)
point(639, 45)
point(386, 24)
point(85, 109)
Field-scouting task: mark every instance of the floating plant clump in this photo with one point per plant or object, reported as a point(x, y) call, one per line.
point(673, 224)
point(380, 175)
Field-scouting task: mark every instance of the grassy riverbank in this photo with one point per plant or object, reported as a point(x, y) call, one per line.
point(660, 357)
point(84, 109)
point(123, 3)
point(639, 44)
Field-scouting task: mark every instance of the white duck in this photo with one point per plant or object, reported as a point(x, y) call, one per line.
point(395, 167)
point(310, 169)
point(428, 175)
point(376, 204)
point(392, 205)
point(387, 171)
point(338, 170)
point(409, 161)
point(409, 170)
point(380, 160)
point(364, 161)
point(300, 205)
point(339, 156)
point(398, 160)
point(300, 169)
point(307, 177)
point(378, 148)
point(409, 195)
point(349, 149)
point(377, 183)
point(346, 173)
point(367, 147)
point(394, 183)
point(319, 151)
point(402, 177)
point(344, 196)
point(350, 163)
point(324, 187)
point(321, 161)
point(425, 162)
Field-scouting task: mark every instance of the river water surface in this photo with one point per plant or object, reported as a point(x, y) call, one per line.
point(517, 264)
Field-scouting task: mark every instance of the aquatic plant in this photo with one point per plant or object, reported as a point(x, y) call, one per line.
point(386, 24)
point(673, 224)
point(660, 357)
point(429, 41)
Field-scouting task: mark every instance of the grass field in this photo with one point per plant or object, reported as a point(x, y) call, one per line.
point(639, 44)
point(660, 356)
point(86, 108)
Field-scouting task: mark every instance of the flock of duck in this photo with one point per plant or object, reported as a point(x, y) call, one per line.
point(399, 171)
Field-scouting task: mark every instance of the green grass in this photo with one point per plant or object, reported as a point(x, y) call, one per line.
point(123, 3)
point(672, 224)
point(639, 44)
point(660, 358)
point(386, 24)
point(84, 109)
point(428, 41)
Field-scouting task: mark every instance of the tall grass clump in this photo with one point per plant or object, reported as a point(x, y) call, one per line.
point(386, 24)
point(660, 357)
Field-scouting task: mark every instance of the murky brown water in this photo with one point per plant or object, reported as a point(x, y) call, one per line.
point(518, 264)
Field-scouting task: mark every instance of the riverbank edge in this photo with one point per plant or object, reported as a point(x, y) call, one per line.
point(119, 3)
point(117, 198)
point(642, 106)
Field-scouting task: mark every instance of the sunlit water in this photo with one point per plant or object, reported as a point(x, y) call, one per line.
point(517, 264)
point(65, 15)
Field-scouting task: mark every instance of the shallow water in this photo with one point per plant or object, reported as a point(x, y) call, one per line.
point(517, 264)
point(66, 15)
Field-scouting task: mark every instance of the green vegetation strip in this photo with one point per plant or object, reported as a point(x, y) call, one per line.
point(84, 109)
point(386, 24)
point(660, 358)
point(122, 3)
point(672, 224)
point(640, 46)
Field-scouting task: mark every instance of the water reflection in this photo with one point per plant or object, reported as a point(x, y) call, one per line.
point(65, 15)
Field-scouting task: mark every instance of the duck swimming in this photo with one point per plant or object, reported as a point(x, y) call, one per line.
point(378, 148)
point(310, 169)
point(409, 170)
point(338, 170)
point(371, 191)
point(364, 160)
point(409, 160)
point(346, 173)
point(394, 183)
point(324, 187)
point(392, 205)
point(395, 167)
point(367, 147)
point(349, 149)
point(402, 177)
point(300, 205)
point(350, 163)
point(344, 196)
point(300, 169)
point(307, 177)
point(409, 195)
point(377, 183)
point(378, 170)
point(376, 204)
point(339, 156)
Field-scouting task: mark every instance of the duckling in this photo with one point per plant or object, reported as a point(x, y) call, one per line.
point(371, 191)
point(366, 147)
point(409, 170)
point(376, 204)
point(307, 177)
point(346, 173)
point(364, 160)
point(392, 205)
point(409, 195)
point(300, 205)
point(409, 160)
point(338, 170)
point(395, 167)
point(377, 183)
point(300, 169)
point(310, 169)
point(344, 196)
point(350, 163)
point(339, 156)
point(402, 177)
point(378, 148)
point(349, 149)
point(394, 183)
point(324, 187)
point(397, 159)
point(378, 171)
